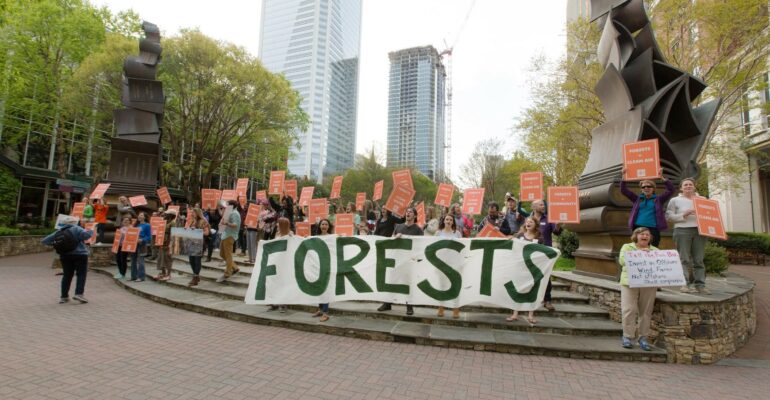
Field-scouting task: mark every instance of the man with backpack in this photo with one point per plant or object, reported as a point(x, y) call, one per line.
point(68, 241)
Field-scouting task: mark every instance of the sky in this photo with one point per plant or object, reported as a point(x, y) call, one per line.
point(492, 54)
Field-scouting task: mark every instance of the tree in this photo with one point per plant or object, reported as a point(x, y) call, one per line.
point(484, 168)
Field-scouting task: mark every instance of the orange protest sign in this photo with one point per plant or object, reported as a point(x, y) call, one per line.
point(360, 200)
point(116, 242)
point(229, 194)
point(77, 210)
point(444, 195)
point(163, 195)
point(130, 241)
point(242, 186)
point(210, 198)
point(344, 224)
point(421, 214)
point(378, 190)
point(99, 191)
point(91, 226)
point(709, 218)
point(262, 195)
point(252, 216)
point(160, 236)
point(154, 224)
point(473, 201)
point(303, 228)
point(137, 201)
point(531, 186)
point(563, 205)
point(399, 200)
point(490, 231)
point(336, 187)
point(641, 160)
point(177, 208)
point(317, 210)
point(306, 195)
point(290, 188)
point(403, 177)
point(276, 182)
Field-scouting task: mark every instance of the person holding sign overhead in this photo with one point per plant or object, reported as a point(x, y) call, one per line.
point(690, 245)
point(647, 210)
point(636, 303)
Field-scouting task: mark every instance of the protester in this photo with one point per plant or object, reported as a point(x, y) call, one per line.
point(325, 227)
point(268, 219)
point(88, 210)
point(493, 217)
point(284, 230)
point(165, 259)
point(241, 241)
point(448, 229)
point(386, 224)
point(636, 304)
point(285, 209)
point(212, 240)
point(513, 219)
point(121, 258)
point(153, 248)
point(100, 218)
point(690, 245)
point(252, 237)
point(431, 221)
point(547, 230)
point(229, 227)
point(125, 209)
point(647, 210)
point(198, 222)
point(409, 228)
point(464, 223)
point(350, 208)
point(73, 256)
point(137, 258)
point(530, 232)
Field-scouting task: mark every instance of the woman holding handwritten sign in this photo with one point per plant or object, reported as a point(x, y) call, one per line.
point(636, 303)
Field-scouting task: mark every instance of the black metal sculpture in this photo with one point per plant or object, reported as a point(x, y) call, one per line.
point(643, 98)
point(136, 153)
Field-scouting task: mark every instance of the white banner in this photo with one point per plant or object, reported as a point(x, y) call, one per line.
point(419, 270)
point(655, 268)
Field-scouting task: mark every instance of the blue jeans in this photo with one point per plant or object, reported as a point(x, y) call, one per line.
point(137, 264)
point(195, 263)
point(73, 264)
point(324, 307)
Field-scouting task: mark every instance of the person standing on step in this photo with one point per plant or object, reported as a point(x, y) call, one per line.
point(529, 232)
point(242, 231)
point(284, 231)
point(690, 245)
point(284, 210)
point(69, 241)
point(252, 236)
point(229, 228)
point(214, 218)
point(464, 222)
point(386, 224)
point(547, 230)
point(512, 218)
point(648, 209)
point(325, 227)
point(409, 228)
point(448, 230)
point(431, 221)
point(100, 218)
point(125, 209)
point(121, 258)
point(165, 259)
point(196, 260)
point(493, 217)
point(145, 238)
point(636, 304)
point(88, 211)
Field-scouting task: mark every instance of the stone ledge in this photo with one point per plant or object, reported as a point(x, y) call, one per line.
point(17, 245)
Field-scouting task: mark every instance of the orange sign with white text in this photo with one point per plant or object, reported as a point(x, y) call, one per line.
point(473, 201)
point(130, 241)
point(641, 160)
point(336, 187)
point(163, 195)
point(290, 188)
point(490, 231)
point(303, 228)
point(137, 201)
point(160, 236)
point(116, 242)
point(403, 177)
point(317, 210)
point(378, 190)
point(531, 186)
point(420, 208)
point(154, 224)
point(77, 210)
point(252, 216)
point(444, 195)
point(563, 205)
point(229, 194)
point(360, 200)
point(709, 218)
point(344, 224)
point(262, 195)
point(306, 195)
point(399, 200)
point(210, 198)
point(99, 191)
point(277, 179)
point(91, 226)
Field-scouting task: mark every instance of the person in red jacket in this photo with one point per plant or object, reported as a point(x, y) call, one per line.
point(100, 218)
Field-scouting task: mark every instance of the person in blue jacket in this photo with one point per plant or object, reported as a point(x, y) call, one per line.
point(649, 209)
point(73, 262)
point(145, 238)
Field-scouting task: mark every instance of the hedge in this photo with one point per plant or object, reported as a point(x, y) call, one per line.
point(746, 241)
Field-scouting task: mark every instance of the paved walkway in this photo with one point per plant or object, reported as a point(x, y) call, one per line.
point(123, 346)
point(758, 346)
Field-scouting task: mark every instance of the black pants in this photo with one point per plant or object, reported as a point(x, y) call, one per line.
point(547, 297)
point(655, 234)
point(122, 260)
point(73, 264)
point(209, 241)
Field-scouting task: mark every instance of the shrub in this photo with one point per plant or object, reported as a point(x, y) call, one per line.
point(564, 264)
point(715, 259)
point(568, 243)
point(5, 231)
point(39, 231)
point(747, 241)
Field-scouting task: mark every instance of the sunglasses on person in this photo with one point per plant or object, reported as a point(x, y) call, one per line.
point(648, 187)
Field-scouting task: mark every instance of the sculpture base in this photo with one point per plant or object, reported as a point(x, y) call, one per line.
point(598, 253)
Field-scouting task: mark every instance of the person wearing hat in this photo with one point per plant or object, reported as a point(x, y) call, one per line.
point(74, 262)
point(512, 217)
point(164, 252)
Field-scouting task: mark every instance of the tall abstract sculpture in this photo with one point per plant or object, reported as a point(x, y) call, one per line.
point(135, 157)
point(643, 98)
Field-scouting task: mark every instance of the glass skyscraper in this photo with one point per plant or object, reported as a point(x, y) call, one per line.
point(316, 45)
point(416, 136)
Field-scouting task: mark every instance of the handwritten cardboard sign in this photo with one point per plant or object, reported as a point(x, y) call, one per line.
point(116, 242)
point(77, 210)
point(317, 210)
point(444, 195)
point(399, 200)
point(160, 236)
point(99, 191)
point(490, 231)
point(709, 218)
point(563, 205)
point(641, 160)
point(360, 200)
point(137, 201)
point(303, 228)
point(252, 216)
point(306, 195)
point(403, 177)
point(473, 201)
point(344, 224)
point(336, 187)
point(210, 198)
point(531, 186)
point(654, 268)
point(378, 190)
point(277, 179)
point(421, 214)
point(290, 188)
point(163, 195)
point(130, 241)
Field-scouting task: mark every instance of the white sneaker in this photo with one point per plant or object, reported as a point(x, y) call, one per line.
point(80, 298)
point(119, 276)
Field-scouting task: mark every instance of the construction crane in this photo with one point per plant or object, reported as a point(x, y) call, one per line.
point(448, 102)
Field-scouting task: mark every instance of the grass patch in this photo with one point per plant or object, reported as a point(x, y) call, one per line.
point(564, 264)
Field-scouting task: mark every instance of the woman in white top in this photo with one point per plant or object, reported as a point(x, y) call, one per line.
point(448, 229)
point(284, 230)
point(690, 245)
point(431, 222)
point(530, 231)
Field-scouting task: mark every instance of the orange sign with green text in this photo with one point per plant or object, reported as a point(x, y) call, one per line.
point(531, 186)
point(290, 188)
point(303, 228)
point(344, 224)
point(336, 187)
point(137, 201)
point(209, 198)
point(163, 195)
point(709, 218)
point(277, 179)
point(306, 195)
point(420, 208)
point(252, 216)
point(403, 177)
point(641, 160)
point(399, 200)
point(130, 241)
point(490, 231)
point(360, 200)
point(473, 201)
point(378, 190)
point(444, 195)
point(563, 205)
point(317, 210)
point(99, 191)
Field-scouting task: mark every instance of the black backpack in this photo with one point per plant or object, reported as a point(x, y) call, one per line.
point(64, 241)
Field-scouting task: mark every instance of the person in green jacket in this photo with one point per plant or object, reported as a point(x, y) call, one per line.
point(88, 210)
point(636, 303)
